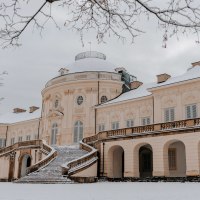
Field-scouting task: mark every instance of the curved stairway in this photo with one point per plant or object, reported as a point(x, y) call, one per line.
point(52, 173)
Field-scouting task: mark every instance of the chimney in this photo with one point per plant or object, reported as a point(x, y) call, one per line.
point(135, 84)
point(18, 110)
point(33, 109)
point(196, 64)
point(162, 77)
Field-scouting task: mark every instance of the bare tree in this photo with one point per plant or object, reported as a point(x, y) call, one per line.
point(106, 17)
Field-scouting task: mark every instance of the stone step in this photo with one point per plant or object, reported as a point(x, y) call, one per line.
point(53, 172)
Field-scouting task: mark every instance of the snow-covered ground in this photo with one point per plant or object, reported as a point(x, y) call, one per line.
point(101, 191)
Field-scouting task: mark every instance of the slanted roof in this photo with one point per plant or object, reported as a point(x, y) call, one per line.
point(191, 73)
point(140, 92)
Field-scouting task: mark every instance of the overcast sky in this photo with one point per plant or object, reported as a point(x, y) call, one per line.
point(30, 66)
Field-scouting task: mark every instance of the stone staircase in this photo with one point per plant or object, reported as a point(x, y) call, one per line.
point(52, 173)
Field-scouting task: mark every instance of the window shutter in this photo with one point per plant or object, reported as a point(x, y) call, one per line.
point(148, 120)
point(81, 133)
point(132, 123)
point(127, 124)
point(194, 111)
point(100, 128)
point(75, 134)
point(103, 127)
point(117, 125)
point(188, 113)
point(167, 115)
point(172, 114)
point(143, 121)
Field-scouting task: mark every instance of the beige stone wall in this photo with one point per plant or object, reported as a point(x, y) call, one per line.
point(3, 130)
point(17, 156)
point(68, 111)
point(159, 145)
point(176, 96)
point(135, 109)
point(22, 129)
point(88, 172)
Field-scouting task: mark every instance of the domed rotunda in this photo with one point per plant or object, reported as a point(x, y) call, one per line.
point(69, 99)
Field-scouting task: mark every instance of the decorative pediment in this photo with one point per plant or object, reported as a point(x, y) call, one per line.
point(168, 101)
point(145, 111)
point(189, 97)
point(55, 113)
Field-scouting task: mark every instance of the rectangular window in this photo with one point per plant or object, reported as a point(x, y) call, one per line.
point(145, 121)
point(36, 136)
point(172, 158)
point(2, 142)
point(191, 111)
point(28, 137)
point(101, 127)
point(129, 123)
point(169, 115)
point(115, 125)
point(12, 141)
point(20, 139)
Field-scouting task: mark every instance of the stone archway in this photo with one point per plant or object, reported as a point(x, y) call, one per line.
point(175, 159)
point(142, 159)
point(145, 161)
point(116, 162)
point(24, 163)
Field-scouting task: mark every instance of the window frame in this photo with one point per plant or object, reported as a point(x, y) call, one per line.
point(103, 99)
point(78, 131)
point(170, 118)
point(54, 132)
point(115, 125)
point(20, 138)
point(79, 100)
point(101, 127)
point(146, 121)
point(130, 122)
point(190, 106)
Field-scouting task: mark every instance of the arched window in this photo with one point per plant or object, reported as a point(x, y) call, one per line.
point(104, 99)
point(54, 132)
point(56, 103)
point(78, 131)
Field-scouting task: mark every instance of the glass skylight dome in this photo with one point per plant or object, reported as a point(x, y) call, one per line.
point(91, 61)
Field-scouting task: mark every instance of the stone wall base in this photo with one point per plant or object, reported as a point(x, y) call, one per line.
point(4, 180)
point(155, 179)
point(84, 179)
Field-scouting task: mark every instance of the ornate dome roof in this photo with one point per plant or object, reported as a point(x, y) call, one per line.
point(90, 61)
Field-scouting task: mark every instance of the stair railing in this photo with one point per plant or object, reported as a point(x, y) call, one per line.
point(81, 163)
point(52, 154)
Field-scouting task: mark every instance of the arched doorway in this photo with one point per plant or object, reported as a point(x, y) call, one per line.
point(54, 132)
point(24, 163)
point(145, 161)
point(78, 131)
point(116, 160)
point(175, 159)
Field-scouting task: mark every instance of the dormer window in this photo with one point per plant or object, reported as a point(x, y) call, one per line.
point(63, 71)
point(104, 99)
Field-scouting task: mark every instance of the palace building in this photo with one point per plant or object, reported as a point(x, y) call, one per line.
point(126, 129)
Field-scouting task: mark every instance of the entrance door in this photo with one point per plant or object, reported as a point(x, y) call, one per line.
point(146, 162)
